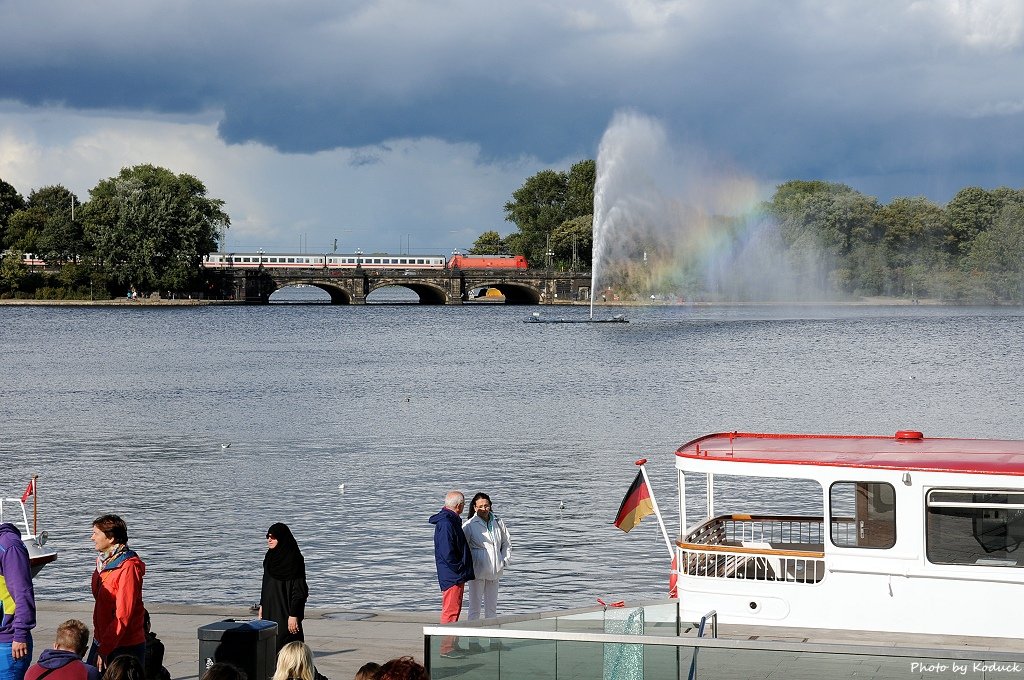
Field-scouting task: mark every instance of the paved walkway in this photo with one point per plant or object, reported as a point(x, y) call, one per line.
point(342, 640)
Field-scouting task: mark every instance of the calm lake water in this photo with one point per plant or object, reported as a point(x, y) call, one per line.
point(126, 410)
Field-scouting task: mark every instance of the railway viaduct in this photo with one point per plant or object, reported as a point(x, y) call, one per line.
point(434, 287)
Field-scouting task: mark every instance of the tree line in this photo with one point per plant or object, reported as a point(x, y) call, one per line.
point(146, 229)
point(969, 250)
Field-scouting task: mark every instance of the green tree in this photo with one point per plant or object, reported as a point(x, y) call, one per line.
point(578, 234)
point(997, 255)
point(24, 229)
point(970, 212)
point(537, 208)
point(824, 218)
point(913, 241)
point(10, 202)
point(13, 272)
point(580, 183)
point(60, 236)
point(151, 228)
point(488, 243)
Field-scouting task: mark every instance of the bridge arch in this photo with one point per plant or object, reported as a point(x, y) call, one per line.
point(338, 295)
point(428, 293)
point(515, 293)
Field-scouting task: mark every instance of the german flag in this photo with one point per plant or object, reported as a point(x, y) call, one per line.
point(636, 505)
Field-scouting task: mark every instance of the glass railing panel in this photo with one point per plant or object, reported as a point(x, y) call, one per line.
point(661, 619)
point(742, 664)
point(578, 661)
point(534, 659)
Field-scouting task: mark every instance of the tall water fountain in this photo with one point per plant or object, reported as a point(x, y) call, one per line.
point(670, 220)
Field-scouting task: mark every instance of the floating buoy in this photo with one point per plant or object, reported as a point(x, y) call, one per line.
point(341, 488)
point(561, 505)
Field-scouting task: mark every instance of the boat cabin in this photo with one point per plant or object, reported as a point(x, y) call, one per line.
point(901, 533)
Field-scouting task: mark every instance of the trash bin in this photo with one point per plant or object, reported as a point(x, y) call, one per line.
point(250, 645)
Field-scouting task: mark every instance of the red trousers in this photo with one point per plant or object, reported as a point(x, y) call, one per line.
point(451, 608)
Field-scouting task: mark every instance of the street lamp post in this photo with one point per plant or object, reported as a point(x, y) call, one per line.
point(549, 259)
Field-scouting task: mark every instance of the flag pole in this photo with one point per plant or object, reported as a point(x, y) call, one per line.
point(657, 512)
point(35, 506)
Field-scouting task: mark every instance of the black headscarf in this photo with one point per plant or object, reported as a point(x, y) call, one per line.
point(285, 561)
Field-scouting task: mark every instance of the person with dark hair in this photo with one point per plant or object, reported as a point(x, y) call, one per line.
point(64, 661)
point(491, 547)
point(368, 671)
point(17, 604)
point(154, 665)
point(284, 592)
point(223, 670)
point(124, 667)
point(402, 668)
point(117, 618)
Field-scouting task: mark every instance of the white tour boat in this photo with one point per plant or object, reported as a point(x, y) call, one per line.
point(912, 535)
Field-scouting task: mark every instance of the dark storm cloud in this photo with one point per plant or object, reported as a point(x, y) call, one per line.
point(858, 89)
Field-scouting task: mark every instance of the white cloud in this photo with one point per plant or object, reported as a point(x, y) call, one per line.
point(986, 25)
point(437, 195)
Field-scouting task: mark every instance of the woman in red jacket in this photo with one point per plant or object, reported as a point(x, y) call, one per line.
point(117, 586)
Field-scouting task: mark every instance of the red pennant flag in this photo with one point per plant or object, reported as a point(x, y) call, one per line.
point(29, 490)
point(636, 505)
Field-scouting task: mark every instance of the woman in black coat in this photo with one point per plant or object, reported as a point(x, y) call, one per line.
point(284, 593)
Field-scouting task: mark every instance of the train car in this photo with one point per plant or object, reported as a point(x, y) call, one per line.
point(460, 261)
point(255, 260)
point(27, 259)
point(328, 261)
point(386, 261)
point(30, 260)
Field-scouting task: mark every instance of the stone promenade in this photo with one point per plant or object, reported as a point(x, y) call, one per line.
point(342, 640)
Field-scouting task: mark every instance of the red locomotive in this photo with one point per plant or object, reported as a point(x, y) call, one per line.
point(460, 261)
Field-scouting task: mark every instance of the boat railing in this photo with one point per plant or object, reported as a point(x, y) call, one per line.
point(756, 547)
point(24, 515)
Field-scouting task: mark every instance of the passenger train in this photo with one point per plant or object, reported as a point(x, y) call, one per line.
point(27, 259)
point(340, 261)
point(366, 260)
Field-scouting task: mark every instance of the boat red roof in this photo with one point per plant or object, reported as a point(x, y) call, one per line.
point(907, 450)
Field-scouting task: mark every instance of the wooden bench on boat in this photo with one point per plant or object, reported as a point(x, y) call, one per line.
point(762, 548)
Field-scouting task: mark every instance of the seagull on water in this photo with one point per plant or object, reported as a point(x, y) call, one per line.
point(226, 446)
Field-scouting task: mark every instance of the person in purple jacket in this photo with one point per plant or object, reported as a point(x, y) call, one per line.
point(19, 605)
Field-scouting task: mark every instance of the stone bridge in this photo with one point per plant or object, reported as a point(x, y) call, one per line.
point(434, 287)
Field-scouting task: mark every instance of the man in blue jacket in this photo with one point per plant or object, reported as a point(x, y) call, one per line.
point(454, 563)
point(19, 605)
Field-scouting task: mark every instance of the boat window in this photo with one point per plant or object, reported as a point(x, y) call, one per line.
point(982, 527)
point(863, 514)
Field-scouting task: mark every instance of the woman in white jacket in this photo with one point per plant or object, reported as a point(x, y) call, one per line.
point(491, 548)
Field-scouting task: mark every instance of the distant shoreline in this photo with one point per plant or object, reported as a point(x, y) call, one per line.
point(861, 302)
point(117, 302)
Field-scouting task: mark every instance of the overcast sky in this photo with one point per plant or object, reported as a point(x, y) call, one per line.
point(385, 122)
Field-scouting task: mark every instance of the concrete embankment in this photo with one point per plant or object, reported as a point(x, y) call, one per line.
point(118, 302)
point(342, 640)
